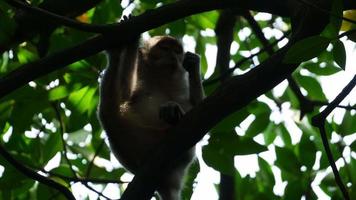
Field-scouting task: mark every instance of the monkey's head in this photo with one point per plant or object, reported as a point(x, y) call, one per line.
point(163, 51)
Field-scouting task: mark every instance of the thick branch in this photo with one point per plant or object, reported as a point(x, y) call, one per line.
point(133, 26)
point(29, 25)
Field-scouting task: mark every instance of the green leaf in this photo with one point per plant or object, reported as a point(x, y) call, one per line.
point(348, 125)
point(339, 53)
point(190, 180)
point(258, 125)
point(246, 146)
point(287, 161)
point(294, 190)
point(270, 134)
point(78, 136)
point(231, 121)
point(312, 86)
point(315, 68)
point(284, 133)
point(353, 146)
point(265, 175)
point(52, 146)
point(58, 93)
point(307, 152)
point(306, 49)
point(218, 160)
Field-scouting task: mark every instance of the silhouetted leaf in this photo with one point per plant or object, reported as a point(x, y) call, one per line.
point(306, 49)
point(339, 54)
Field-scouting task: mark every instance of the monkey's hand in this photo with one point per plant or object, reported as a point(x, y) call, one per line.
point(191, 61)
point(171, 112)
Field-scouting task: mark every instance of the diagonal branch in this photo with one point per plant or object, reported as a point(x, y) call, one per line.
point(319, 121)
point(128, 29)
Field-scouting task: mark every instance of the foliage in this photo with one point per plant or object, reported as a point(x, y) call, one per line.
point(63, 104)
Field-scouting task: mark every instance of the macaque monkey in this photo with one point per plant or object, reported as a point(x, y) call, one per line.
point(144, 91)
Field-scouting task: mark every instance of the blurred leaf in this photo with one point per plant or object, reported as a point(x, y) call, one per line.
point(312, 86)
point(219, 155)
point(348, 125)
point(258, 125)
point(288, 161)
point(26, 56)
point(284, 133)
point(52, 145)
point(265, 175)
point(306, 49)
point(307, 152)
point(58, 93)
point(230, 122)
point(79, 136)
point(322, 71)
point(339, 53)
point(353, 146)
point(270, 134)
point(248, 146)
point(107, 11)
point(189, 182)
point(7, 25)
point(294, 190)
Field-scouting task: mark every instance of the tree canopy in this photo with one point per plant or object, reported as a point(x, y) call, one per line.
point(263, 65)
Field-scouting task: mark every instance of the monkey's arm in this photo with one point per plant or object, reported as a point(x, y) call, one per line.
point(117, 81)
point(192, 64)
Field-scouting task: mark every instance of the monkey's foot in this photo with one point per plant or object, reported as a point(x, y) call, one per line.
point(171, 112)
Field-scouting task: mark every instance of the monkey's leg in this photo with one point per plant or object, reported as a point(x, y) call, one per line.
point(192, 64)
point(171, 112)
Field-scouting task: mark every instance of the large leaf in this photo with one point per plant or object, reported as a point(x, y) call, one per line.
point(307, 152)
point(306, 49)
point(288, 161)
point(339, 54)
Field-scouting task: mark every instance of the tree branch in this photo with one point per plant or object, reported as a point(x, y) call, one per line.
point(29, 25)
point(224, 30)
point(133, 26)
point(34, 175)
point(319, 122)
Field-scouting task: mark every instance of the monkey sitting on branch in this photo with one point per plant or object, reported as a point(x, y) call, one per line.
point(144, 91)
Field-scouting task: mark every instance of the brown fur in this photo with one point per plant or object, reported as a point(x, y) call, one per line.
point(137, 82)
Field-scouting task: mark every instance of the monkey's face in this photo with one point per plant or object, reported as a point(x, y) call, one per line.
point(167, 52)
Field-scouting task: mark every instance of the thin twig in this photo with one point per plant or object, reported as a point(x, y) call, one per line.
point(61, 130)
point(241, 62)
point(90, 165)
point(64, 153)
point(319, 121)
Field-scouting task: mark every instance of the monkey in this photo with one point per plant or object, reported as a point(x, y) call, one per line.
point(143, 92)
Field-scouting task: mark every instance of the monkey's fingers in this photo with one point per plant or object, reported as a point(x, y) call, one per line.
point(191, 60)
